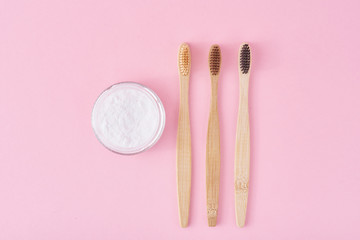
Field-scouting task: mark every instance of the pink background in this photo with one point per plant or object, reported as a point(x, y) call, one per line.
point(58, 182)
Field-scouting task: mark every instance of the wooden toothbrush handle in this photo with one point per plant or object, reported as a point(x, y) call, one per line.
point(183, 155)
point(242, 155)
point(213, 161)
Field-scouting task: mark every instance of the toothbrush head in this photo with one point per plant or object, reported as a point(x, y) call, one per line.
point(244, 58)
point(214, 59)
point(184, 59)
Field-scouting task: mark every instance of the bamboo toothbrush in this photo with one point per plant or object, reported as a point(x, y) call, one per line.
point(242, 151)
point(213, 141)
point(183, 145)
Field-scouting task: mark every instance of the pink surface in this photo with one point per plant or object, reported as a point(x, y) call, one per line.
point(58, 182)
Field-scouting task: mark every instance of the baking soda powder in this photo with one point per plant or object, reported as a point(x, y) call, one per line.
point(126, 117)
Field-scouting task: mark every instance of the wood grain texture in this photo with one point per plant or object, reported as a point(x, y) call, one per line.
point(183, 145)
point(213, 141)
point(242, 151)
point(213, 158)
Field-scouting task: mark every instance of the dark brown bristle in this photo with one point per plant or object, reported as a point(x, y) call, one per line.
point(244, 60)
point(184, 59)
point(214, 59)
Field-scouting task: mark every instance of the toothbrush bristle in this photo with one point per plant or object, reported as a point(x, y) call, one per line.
point(214, 59)
point(244, 60)
point(184, 59)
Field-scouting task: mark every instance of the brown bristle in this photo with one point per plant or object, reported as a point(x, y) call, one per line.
point(184, 59)
point(214, 59)
point(244, 59)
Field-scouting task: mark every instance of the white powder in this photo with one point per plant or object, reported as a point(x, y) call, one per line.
point(126, 117)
